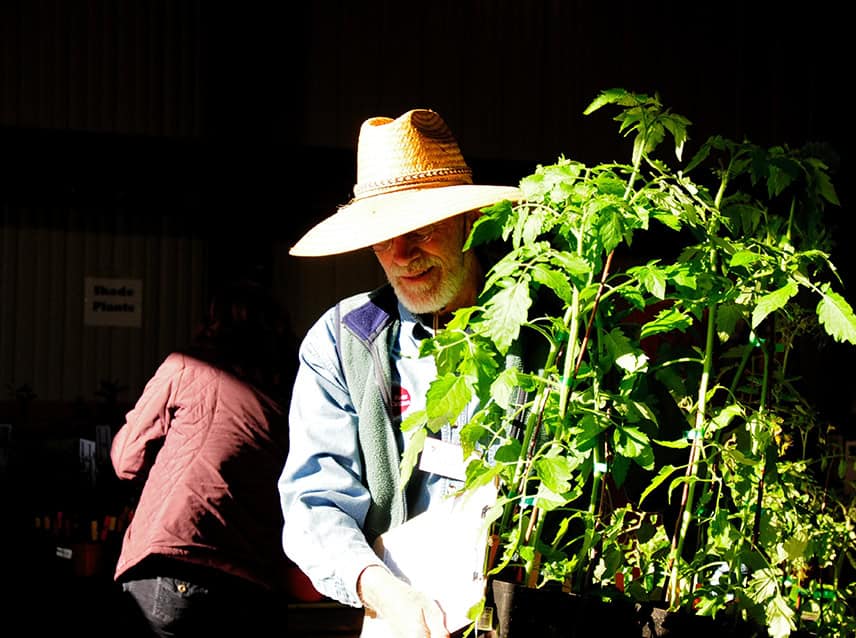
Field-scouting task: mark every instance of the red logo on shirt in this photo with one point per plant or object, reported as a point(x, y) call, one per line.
point(403, 400)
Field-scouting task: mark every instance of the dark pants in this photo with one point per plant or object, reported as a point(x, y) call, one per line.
point(179, 608)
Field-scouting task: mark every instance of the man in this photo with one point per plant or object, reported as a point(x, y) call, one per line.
point(414, 205)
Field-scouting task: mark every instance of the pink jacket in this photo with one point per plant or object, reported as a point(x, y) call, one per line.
point(210, 449)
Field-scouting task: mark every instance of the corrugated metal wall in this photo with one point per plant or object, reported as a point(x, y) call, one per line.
point(513, 77)
point(263, 84)
point(117, 66)
point(125, 71)
point(114, 68)
point(45, 256)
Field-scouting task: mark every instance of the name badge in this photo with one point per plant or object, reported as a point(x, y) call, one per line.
point(445, 459)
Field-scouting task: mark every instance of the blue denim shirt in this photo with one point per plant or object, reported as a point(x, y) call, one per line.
point(324, 503)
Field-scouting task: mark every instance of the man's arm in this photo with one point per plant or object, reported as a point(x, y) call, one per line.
point(324, 502)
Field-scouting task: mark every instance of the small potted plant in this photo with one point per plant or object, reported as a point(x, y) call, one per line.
point(639, 414)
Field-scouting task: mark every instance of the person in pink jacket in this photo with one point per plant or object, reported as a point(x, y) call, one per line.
point(206, 442)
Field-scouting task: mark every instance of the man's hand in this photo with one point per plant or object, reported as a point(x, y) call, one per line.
point(408, 612)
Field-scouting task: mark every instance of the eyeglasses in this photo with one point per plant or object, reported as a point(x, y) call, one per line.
point(418, 236)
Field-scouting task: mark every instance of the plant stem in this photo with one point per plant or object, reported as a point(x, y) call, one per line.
point(687, 500)
point(687, 496)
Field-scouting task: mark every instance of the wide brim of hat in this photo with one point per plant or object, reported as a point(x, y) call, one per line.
point(371, 220)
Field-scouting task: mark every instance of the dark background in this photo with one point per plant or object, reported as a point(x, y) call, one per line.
point(238, 121)
point(253, 109)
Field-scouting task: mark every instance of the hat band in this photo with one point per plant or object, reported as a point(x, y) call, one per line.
point(436, 177)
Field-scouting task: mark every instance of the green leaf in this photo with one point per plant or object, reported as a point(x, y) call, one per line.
point(448, 347)
point(634, 443)
point(668, 219)
point(611, 229)
point(509, 452)
point(609, 96)
point(505, 312)
point(508, 266)
point(665, 472)
point(836, 316)
point(795, 546)
point(727, 316)
point(555, 473)
point(654, 280)
point(446, 398)
point(619, 468)
point(667, 320)
point(411, 454)
point(684, 278)
point(590, 431)
point(555, 281)
point(772, 302)
point(633, 361)
point(725, 416)
point(677, 444)
point(414, 420)
point(825, 187)
point(489, 224)
point(480, 368)
point(504, 387)
point(643, 409)
point(763, 589)
point(618, 346)
point(780, 622)
point(743, 258)
point(480, 474)
point(677, 126)
point(547, 499)
point(531, 226)
point(574, 265)
point(471, 433)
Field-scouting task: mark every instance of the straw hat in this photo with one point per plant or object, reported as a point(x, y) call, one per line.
point(410, 173)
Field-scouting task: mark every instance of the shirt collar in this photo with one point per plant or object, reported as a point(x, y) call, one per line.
point(415, 325)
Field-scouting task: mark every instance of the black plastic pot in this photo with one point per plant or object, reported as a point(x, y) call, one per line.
point(524, 612)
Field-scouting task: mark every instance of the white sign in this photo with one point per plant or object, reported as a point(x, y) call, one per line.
point(113, 302)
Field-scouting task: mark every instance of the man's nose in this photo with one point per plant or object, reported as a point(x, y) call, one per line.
point(403, 249)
